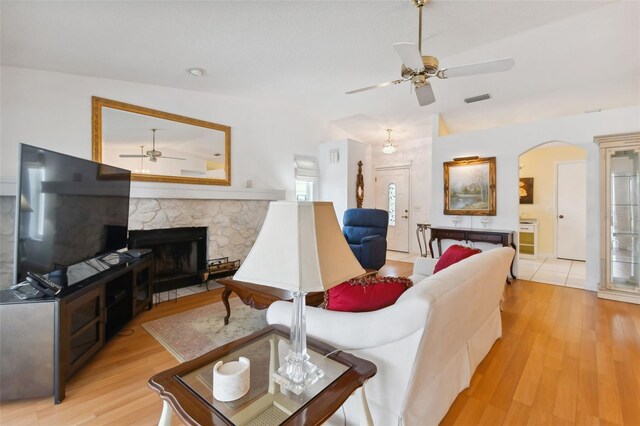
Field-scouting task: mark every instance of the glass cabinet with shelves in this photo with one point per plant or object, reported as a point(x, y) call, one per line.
point(620, 229)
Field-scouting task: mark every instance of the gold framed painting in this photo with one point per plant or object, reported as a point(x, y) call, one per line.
point(470, 186)
point(525, 190)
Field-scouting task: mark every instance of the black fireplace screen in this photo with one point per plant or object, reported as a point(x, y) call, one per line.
point(180, 255)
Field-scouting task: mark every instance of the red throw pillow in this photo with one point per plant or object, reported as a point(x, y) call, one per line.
point(454, 254)
point(365, 294)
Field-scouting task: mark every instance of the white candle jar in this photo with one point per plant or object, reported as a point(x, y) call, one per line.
point(231, 379)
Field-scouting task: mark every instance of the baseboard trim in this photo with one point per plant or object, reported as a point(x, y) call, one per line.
point(619, 297)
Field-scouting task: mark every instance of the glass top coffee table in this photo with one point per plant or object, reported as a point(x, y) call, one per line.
point(187, 389)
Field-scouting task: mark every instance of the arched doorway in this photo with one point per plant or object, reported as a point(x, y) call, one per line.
point(552, 211)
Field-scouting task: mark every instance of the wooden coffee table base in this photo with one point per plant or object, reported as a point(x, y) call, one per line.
point(259, 296)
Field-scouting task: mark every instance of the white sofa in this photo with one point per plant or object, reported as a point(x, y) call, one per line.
point(427, 345)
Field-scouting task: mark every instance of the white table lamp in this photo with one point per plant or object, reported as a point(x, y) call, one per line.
point(300, 248)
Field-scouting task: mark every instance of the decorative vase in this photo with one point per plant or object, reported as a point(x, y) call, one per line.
point(231, 379)
point(484, 221)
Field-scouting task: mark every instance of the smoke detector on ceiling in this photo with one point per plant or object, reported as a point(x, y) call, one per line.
point(477, 98)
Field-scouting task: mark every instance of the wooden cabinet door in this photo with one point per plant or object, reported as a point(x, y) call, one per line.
point(81, 330)
point(142, 288)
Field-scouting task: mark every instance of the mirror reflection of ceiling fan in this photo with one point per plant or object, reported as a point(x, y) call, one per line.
point(153, 154)
point(419, 69)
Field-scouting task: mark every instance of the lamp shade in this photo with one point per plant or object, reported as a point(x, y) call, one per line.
point(300, 248)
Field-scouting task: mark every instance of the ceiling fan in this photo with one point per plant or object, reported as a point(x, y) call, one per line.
point(153, 155)
point(419, 69)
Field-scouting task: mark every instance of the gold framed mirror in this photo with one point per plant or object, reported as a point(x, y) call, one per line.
point(159, 146)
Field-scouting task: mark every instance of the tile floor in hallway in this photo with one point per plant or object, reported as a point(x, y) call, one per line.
point(549, 270)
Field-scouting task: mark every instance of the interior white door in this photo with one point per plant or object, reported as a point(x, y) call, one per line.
point(571, 217)
point(392, 194)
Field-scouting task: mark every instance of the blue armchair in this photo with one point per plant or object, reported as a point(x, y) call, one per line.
point(366, 233)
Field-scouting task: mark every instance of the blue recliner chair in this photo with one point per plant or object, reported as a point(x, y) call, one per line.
point(366, 233)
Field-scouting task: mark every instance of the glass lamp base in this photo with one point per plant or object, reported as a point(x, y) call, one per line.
point(297, 373)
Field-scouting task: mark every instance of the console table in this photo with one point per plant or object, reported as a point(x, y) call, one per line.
point(505, 238)
point(422, 238)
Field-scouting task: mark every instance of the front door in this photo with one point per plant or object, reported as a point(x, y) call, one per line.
point(572, 210)
point(392, 194)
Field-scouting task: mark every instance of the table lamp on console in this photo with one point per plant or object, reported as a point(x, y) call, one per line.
point(300, 248)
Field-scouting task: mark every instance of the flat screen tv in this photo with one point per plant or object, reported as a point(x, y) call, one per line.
point(68, 210)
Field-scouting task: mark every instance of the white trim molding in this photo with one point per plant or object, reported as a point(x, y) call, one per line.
point(207, 192)
point(395, 166)
point(8, 187)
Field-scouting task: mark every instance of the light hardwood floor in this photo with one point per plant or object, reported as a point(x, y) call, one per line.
point(566, 357)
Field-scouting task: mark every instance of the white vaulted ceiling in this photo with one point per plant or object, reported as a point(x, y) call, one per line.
point(571, 56)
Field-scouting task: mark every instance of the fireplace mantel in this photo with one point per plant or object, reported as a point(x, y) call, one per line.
point(178, 191)
point(207, 192)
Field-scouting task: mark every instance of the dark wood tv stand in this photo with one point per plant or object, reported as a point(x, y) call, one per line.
point(45, 341)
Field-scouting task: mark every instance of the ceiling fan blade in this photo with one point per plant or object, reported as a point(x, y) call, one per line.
point(173, 158)
point(410, 55)
point(132, 156)
point(425, 95)
point(388, 83)
point(479, 68)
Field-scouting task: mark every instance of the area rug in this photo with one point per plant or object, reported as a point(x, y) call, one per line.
point(188, 335)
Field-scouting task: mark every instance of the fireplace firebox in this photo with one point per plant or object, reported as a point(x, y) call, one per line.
point(180, 255)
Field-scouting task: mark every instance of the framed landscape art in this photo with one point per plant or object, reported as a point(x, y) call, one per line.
point(470, 186)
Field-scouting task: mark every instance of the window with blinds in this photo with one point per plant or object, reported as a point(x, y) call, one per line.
point(306, 176)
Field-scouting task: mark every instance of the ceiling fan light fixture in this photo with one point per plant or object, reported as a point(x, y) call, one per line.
point(197, 72)
point(418, 68)
point(388, 147)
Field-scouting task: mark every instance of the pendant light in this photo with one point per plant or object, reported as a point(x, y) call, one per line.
point(388, 147)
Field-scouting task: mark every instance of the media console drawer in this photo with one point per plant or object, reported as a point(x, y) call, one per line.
point(489, 238)
point(451, 235)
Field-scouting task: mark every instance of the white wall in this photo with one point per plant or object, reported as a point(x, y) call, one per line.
point(338, 180)
point(53, 110)
point(359, 151)
point(334, 176)
point(507, 143)
point(416, 152)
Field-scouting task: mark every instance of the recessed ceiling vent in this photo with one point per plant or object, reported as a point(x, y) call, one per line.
point(478, 98)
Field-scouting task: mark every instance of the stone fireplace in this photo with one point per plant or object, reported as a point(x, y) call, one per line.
point(232, 225)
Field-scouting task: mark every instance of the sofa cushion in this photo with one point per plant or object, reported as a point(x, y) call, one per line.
point(365, 294)
point(454, 254)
